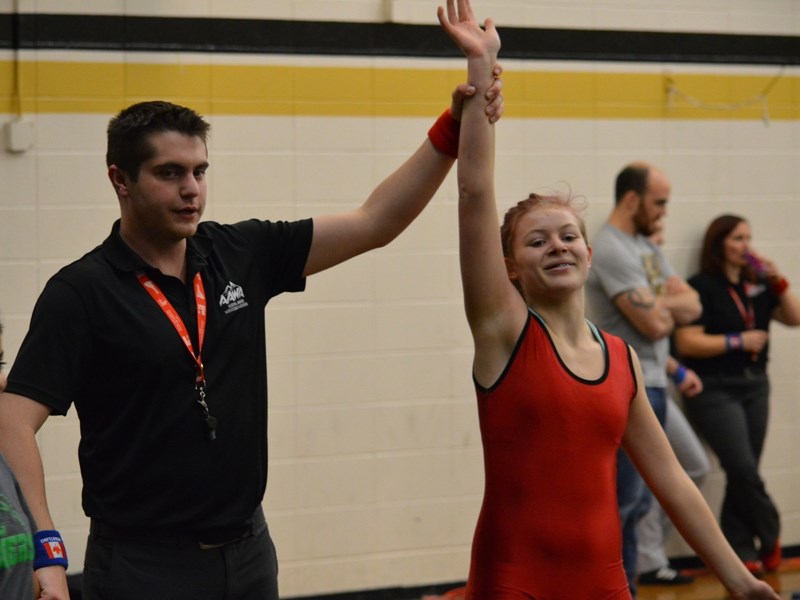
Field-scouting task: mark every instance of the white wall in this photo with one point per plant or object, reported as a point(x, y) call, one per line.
point(375, 475)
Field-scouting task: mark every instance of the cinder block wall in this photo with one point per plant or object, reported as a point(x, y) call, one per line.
point(375, 473)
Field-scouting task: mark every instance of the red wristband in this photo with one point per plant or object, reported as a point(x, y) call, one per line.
point(444, 134)
point(778, 287)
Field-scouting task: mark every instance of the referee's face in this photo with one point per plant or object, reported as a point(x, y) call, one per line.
point(168, 198)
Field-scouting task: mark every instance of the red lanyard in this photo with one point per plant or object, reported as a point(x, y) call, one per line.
point(748, 314)
point(174, 318)
point(165, 305)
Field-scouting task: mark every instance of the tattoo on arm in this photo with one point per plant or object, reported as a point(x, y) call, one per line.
point(639, 300)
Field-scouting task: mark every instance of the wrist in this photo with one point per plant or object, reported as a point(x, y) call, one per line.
point(482, 65)
point(733, 342)
point(778, 286)
point(48, 549)
point(679, 375)
point(444, 134)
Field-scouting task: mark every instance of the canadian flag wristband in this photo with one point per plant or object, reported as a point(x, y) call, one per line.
point(49, 550)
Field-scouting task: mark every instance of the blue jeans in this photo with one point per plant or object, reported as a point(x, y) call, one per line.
point(633, 497)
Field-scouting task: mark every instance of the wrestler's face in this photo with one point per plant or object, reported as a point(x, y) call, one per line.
point(549, 253)
point(168, 198)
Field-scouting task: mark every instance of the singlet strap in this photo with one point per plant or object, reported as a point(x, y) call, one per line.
point(592, 327)
point(596, 333)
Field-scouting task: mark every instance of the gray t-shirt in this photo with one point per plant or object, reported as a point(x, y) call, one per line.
point(622, 262)
point(16, 538)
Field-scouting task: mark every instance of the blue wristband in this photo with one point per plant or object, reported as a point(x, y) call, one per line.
point(49, 550)
point(733, 342)
point(679, 375)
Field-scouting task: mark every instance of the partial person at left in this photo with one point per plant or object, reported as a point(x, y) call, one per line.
point(24, 560)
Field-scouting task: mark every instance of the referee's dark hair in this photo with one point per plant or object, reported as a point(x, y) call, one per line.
point(129, 132)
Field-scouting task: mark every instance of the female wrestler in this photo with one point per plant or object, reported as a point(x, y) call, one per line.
point(556, 397)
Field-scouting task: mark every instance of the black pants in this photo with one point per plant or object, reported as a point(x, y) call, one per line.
point(124, 569)
point(732, 415)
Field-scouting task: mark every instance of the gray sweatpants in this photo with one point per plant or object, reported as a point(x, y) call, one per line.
point(654, 528)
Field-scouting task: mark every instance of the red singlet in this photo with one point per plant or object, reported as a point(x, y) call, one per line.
point(549, 525)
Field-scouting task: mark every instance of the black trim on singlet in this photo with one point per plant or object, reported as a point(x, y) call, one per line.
point(633, 371)
point(270, 36)
point(596, 333)
point(510, 361)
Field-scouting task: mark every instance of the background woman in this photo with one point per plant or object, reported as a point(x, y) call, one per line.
point(741, 292)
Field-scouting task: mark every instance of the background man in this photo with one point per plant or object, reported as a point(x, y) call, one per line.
point(632, 292)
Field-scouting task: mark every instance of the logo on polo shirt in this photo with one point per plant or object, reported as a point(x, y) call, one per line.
point(232, 299)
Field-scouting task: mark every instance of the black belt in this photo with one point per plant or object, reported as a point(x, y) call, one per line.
point(206, 539)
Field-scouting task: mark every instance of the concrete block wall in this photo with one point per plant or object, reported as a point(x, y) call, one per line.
point(375, 473)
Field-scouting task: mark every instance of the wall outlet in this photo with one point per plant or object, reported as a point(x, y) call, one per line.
point(19, 136)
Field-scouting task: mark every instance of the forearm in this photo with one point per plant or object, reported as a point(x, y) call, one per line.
point(646, 312)
point(476, 148)
point(18, 445)
point(386, 213)
point(672, 365)
point(662, 321)
point(689, 512)
point(402, 196)
point(23, 456)
point(788, 311)
point(684, 307)
point(701, 346)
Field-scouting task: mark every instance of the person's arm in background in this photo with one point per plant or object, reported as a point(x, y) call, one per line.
point(646, 312)
point(788, 309)
point(685, 379)
point(655, 316)
point(682, 301)
point(692, 341)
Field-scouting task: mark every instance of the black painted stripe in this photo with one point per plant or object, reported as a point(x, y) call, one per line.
point(103, 32)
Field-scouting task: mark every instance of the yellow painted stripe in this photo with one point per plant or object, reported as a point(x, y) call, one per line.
point(87, 87)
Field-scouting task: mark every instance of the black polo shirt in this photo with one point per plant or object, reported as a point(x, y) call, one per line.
point(721, 315)
point(98, 340)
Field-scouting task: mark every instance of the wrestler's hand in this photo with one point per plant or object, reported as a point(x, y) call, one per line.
point(758, 590)
point(460, 24)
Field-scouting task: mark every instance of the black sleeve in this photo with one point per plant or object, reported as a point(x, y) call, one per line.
point(280, 250)
point(52, 359)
